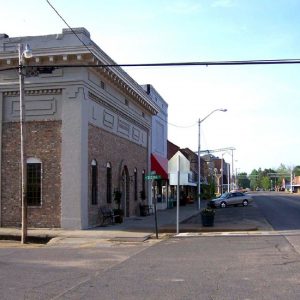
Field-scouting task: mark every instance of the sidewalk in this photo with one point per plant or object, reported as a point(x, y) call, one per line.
point(141, 228)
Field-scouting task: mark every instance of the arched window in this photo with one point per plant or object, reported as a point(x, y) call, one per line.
point(135, 185)
point(94, 180)
point(108, 183)
point(34, 182)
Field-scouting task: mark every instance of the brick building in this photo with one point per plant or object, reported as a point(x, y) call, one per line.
point(88, 132)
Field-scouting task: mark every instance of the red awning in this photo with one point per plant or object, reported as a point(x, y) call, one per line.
point(159, 164)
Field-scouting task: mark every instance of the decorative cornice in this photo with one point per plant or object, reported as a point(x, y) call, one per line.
point(125, 88)
point(74, 57)
point(116, 110)
point(34, 92)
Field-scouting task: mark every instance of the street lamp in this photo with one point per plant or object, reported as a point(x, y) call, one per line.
point(199, 149)
point(23, 53)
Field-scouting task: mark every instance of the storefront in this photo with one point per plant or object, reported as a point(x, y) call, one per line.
point(159, 166)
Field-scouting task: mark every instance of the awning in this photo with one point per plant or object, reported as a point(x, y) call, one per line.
point(159, 164)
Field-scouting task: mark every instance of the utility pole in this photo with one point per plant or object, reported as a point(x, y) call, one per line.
point(23, 53)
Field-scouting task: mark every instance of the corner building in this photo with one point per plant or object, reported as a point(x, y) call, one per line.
point(87, 132)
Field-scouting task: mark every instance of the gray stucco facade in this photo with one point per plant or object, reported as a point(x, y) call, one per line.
point(74, 98)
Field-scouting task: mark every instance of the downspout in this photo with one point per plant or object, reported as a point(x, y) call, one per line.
point(1, 114)
point(149, 167)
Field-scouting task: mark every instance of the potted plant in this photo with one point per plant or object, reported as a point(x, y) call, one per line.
point(143, 208)
point(118, 212)
point(143, 196)
point(207, 216)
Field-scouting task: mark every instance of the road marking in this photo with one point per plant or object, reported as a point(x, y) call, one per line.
point(241, 233)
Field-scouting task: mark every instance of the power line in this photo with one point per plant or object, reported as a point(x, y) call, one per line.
point(174, 64)
point(83, 43)
point(175, 125)
point(211, 63)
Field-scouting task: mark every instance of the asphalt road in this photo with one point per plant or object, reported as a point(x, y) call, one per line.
point(219, 268)
point(256, 265)
point(53, 272)
point(282, 210)
point(215, 267)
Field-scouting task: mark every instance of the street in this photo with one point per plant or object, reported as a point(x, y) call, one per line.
point(282, 210)
point(254, 265)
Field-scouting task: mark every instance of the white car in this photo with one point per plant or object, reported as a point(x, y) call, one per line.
point(232, 198)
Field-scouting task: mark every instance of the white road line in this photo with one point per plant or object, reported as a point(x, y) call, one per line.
point(240, 233)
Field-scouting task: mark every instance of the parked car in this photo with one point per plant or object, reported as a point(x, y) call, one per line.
point(232, 198)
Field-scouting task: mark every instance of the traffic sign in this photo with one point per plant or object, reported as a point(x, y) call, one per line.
point(152, 177)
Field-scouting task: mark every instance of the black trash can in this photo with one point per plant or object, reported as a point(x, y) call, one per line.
point(143, 210)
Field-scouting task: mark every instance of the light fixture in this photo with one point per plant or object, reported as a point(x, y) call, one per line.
point(27, 51)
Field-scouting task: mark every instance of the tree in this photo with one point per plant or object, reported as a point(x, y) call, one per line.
point(283, 173)
point(265, 183)
point(243, 180)
point(296, 171)
point(254, 179)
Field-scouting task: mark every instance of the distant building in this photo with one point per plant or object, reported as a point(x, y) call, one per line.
point(220, 170)
point(88, 133)
point(159, 151)
point(296, 184)
point(188, 173)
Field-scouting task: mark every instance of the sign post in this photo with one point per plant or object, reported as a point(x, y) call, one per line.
point(155, 217)
point(153, 177)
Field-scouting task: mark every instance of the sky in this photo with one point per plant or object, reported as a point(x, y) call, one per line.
point(262, 101)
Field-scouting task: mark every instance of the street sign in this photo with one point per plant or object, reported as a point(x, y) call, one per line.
point(152, 177)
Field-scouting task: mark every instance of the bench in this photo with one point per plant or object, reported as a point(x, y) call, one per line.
point(107, 214)
point(146, 210)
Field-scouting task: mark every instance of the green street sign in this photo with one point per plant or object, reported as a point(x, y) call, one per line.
point(152, 177)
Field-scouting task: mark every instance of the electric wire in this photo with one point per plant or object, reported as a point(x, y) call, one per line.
point(175, 125)
point(174, 64)
point(83, 43)
point(162, 64)
point(209, 63)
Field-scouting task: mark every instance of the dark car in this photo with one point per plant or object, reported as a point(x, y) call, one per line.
point(232, 198)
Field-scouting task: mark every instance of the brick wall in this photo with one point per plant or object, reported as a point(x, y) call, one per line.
point(106, 147)
point(43, 141)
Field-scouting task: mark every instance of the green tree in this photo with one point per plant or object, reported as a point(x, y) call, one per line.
point(296, 171)
point(283, 173)
point(254, 179)
point(243, 180)
point(266, 182)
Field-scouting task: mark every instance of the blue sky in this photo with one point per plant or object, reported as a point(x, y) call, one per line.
point(263, 102)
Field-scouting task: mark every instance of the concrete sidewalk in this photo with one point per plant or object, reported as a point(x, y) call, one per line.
point(141, 228)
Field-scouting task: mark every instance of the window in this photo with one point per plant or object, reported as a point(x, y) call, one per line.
point(94, 182)
point(34, 182)
point(135, 185)
point(126, 102)
point(108, 183)
point(102, 84)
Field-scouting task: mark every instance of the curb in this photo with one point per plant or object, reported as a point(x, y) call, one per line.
point(184, 229)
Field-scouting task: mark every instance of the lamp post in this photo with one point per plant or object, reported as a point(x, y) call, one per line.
point(199, 150)
point(23, 53)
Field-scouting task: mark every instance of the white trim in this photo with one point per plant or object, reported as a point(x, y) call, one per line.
point(33, 160)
